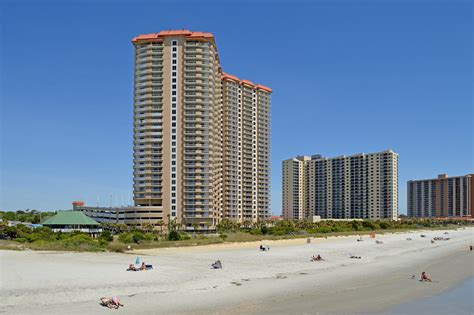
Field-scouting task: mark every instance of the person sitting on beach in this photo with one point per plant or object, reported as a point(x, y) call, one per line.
point(425, 277)
point(317, 258)
point(143, 266)
point(217, 264)
point(131, 267)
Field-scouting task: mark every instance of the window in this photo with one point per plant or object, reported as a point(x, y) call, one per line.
point(174, 43)
point(175, 48)
point(174, 67)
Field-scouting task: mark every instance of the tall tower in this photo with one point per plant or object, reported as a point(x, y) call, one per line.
point(183, 148)
point(247, 149)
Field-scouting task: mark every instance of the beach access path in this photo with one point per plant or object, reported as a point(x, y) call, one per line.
point(282, 280)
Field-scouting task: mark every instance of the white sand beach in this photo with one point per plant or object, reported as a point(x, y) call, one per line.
point(282, 280)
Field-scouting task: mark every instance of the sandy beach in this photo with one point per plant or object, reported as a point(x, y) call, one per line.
point(282, 280)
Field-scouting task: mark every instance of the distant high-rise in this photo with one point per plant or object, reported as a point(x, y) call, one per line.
point(361, 186)
point(441, 197)
point(201, 137)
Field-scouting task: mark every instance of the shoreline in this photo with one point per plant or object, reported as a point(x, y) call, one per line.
point(280, 281)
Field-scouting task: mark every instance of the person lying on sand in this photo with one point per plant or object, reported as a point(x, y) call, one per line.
point(425, 277)
point(356, 257)
point(131, 267)
point(113, 302)
point(264, 247)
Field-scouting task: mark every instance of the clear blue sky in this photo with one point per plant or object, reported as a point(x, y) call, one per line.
point(348, 77)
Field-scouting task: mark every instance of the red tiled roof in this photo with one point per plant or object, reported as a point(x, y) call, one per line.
point(263, 87)
point(159, 36)
point(230, 77)
point(226, 76)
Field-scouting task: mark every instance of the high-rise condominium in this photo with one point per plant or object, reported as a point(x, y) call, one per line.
point(441, 197)
point(361, 186)
point(201, 137)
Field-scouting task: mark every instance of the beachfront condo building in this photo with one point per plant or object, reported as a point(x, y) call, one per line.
point(361, 186)
point(441, 197)
point(201, 136)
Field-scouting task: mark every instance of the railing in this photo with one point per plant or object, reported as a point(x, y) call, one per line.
point(68, 230)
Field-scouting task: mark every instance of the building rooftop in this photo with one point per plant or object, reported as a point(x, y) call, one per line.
point(70, 218)
point(226, 76)
point(186, 33)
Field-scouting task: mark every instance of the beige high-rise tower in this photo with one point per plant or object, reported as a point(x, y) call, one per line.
point(361, 186)
point(201, 138)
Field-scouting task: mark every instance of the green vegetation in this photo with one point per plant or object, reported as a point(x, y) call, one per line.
point(31, 216)
point(119, 237)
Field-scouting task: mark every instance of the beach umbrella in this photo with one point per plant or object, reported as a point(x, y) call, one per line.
point(137, 261)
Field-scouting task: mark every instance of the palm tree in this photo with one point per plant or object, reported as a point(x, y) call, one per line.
point(160, 223)
point(147, 227)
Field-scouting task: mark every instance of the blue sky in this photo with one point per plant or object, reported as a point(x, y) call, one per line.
point(348, 77)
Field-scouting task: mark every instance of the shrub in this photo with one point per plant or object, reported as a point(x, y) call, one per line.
point(126, 237)
point(150, 237)
point(223, 236)
point(264, 229)
point(138, 236)
point(174, 236)
point(384, 225)
point(255, 231)
point(324, 229)
point(106, 236)
point(185, 237)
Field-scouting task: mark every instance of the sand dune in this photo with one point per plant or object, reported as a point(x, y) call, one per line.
point(282, 280)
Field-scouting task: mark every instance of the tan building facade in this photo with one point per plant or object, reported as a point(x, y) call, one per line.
point(201, 137)
point(361, 186)
point(441, 197)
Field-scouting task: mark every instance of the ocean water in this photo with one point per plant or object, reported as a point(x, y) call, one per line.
point(459, 300)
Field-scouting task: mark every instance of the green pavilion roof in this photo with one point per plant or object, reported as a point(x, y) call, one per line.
point(70, 218)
